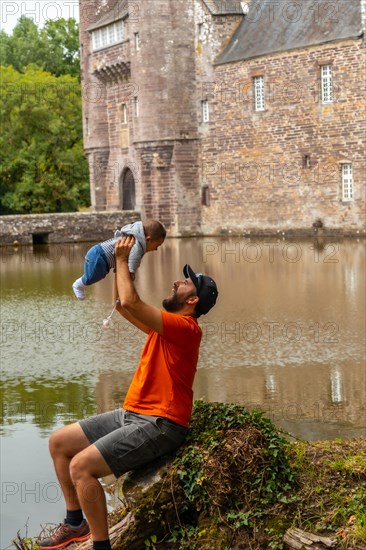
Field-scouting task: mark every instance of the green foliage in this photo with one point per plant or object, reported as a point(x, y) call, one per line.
point(210, 421)
point(151, 542)
point(186, 536)
point(238, 519)
point(234, 467)
point(41, 152)
point(54, 48)
point(25, 543)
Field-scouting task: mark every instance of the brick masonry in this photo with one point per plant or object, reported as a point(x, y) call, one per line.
point(252, 164)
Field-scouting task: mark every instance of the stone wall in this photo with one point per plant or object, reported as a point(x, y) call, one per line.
point(159, 144)
point(280, 169)
point(258, 172)
point(95, 126)
point(63, 228)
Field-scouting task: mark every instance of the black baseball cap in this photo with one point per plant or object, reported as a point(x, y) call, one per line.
point(206, 289)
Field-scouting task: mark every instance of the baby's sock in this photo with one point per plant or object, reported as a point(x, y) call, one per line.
point(79, 289)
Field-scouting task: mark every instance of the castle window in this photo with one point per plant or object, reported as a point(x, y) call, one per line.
point(137, 41)
point(108, 35)
point(111, 35)
point(347, 182)
point(124, 113)
point(205, 111)
point(200, 31)
point(128, 192)
point(326, 84)
point(205, 199)
point(96, 40)
point(306, 161)
point(119, 31)
point(137, 106)
point(259, 100)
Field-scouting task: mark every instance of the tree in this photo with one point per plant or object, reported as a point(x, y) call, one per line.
point(41, 152)
point(24, 46)
point(54, 48)
point(62, 40)
point(4, 48)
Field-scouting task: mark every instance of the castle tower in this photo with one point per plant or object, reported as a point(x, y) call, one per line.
point(142, 106)
point(140, 118)
point(96, 140)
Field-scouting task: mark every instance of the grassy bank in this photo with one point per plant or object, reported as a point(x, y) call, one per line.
point(239, 483)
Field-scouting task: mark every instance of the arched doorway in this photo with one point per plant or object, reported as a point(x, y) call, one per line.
point(128, 194)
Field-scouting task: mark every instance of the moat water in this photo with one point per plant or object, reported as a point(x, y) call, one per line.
point(287, 335)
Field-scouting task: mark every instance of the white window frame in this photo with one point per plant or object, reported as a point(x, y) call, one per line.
point(96, 40)
point(104, 36)
point(137, 41)
point(108, 35)
point(119, 29)
point(205, 110)
point(137, 106)
point(326, 79)
point(111, 34)
point(124, 118)
point(259, 93)
point(347, 181)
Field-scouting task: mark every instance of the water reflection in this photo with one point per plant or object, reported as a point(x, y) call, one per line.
point(288, 327)
point(336, 386)
point(46, 402)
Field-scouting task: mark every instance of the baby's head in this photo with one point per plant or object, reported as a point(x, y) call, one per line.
point(155, 234)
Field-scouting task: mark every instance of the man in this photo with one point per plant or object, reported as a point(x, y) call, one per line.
point(156, 410)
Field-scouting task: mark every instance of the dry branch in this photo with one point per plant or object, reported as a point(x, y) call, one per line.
point(297, 539)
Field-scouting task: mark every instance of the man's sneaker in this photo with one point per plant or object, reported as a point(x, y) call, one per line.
point(79, 289)
point(65, 534)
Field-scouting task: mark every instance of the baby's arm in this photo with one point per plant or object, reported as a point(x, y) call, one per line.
point(135, 257)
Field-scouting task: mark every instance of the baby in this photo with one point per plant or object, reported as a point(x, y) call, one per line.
point(100, 259)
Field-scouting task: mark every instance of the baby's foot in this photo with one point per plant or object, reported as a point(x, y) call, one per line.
point(79, 290)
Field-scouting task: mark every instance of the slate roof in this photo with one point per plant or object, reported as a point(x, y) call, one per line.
point(224, 7)
point(292, 25)
point(119, 11)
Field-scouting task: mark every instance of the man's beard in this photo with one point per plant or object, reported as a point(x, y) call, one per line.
point(172, 304)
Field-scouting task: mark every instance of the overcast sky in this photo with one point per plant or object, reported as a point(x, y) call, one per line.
point(39, 10)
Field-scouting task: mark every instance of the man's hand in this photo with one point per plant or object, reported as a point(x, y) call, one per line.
point(142, 315)
point(123, 247)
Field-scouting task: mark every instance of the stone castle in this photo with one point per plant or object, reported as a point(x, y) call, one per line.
point(219, 116)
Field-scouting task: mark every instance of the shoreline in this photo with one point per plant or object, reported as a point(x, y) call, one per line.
point(78, 227)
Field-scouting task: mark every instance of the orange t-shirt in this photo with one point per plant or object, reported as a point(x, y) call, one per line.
point(162, 384)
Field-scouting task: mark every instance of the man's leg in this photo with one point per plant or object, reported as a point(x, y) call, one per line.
point(78, 465)
point(85, 469)
point(64, 444)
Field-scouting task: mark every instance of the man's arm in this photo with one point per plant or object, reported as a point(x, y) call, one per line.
point(148, 317)
point(122, 311)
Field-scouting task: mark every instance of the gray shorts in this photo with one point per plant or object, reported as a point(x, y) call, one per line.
point(128, 441)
